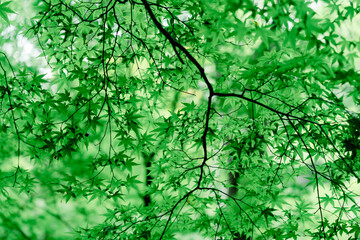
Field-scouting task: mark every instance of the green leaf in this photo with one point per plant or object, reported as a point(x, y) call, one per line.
point(4, 11)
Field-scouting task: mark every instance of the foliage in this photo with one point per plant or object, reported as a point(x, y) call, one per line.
point(229, 119)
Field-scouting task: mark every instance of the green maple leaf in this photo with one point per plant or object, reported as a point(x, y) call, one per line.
point(4, 10)
point(268, 212)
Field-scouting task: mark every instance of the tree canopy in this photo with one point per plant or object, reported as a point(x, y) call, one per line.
point(174, 119)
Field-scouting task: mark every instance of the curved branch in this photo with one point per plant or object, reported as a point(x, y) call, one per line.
point(175, 44)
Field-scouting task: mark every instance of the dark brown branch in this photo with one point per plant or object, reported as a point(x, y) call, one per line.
point(262, 105)
point(175, 44)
